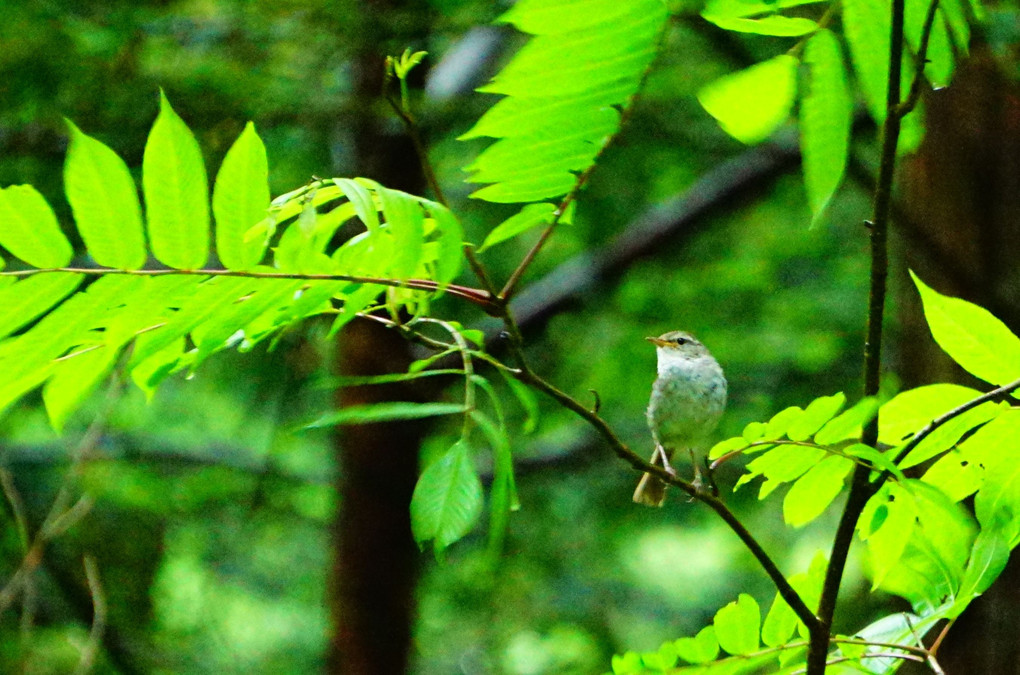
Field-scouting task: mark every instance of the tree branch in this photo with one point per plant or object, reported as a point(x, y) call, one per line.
point(860, 488)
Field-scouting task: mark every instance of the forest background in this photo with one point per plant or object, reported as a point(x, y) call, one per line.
point(214, 523)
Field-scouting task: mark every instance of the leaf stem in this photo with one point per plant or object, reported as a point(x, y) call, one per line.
point(476, 296)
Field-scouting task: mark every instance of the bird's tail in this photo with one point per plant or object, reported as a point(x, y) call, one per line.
point(650, 491)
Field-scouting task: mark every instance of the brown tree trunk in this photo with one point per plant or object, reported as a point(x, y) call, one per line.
point(375, 566)
point(962, 236)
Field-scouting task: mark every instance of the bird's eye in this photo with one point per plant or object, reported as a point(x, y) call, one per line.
point(681, 341)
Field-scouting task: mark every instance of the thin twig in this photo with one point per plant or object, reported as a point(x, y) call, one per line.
point(88, 654)
point(62, 513)
point(920, 60)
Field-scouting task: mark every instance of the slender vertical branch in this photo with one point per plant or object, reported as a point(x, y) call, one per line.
point(860, 489)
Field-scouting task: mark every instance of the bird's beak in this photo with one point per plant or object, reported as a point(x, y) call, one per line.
point(657, 342)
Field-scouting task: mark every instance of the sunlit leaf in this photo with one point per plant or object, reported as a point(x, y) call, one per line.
point(29, 229)
point(385, 412)
point(104, 199)
point(825, 115)
point(240, 200)
point(447, 499)
point(814, 491)
point(737, 626)
point(971, 335)
point(750, 104)
point(176, 192)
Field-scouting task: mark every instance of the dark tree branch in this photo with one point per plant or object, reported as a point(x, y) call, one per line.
point(860, 488)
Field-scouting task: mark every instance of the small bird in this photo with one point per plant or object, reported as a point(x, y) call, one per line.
point(688, 397)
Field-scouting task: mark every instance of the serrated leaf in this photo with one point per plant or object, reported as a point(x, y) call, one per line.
point(447, 499)
point(971, 335)
point(529, 217)
point(240, 200)
point(104, 199)
point(385, 412)
point(176, 192)
point(450, 242)
point(814, 491)
point(737, 626)
point(29, 229)
point(557, 119)
point(826, 112)
point(752, 103)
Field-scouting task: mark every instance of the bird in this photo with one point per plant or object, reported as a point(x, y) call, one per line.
point(688, 398)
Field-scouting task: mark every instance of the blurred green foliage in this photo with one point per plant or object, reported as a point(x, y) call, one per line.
point(211, 522)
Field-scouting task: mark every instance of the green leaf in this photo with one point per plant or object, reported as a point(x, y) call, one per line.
point(27, 360)
point(563, 87)
point(27, 299)
point(504, 486)
point(971, 335)
point(526, 397)
point(752, 103)
point(932, 564)
point(74, 378)
point(782, 26)
point(737, 626)
point(849, 423)
point(29, 229)
point(450, 242)
point(988, 558)
point(866, 29)
point(447, 499)
point(939, 66)
point(361, 198)
point(781, 422)
point(817, 413)
point(176, 192)
point(784, 464)
point(887, 525)
point(701, 648)
point(104, 200)
point(385, 412)
point(910, 411)
point(240, 200)
point(530, 216)
point(814, 491)
point(407, 225)
point(946, 435)
point(825, 115)
point(997, 504)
